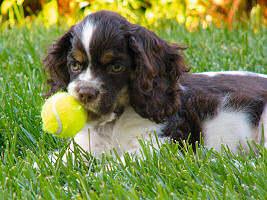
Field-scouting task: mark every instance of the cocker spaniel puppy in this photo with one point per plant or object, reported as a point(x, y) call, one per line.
point(133, 83)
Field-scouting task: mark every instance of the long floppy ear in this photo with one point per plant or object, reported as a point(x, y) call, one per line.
point(158, 65)
point(56, 63)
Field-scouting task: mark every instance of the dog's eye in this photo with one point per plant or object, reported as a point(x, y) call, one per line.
point(115, 68)
point(76, 67)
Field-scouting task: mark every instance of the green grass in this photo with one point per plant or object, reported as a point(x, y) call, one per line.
point(168, 173)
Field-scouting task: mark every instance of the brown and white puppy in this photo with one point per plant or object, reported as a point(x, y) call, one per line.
point(132, 83)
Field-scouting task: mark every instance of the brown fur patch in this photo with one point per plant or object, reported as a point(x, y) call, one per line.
point(123, 98)
point(79, 56)
point(106, 57)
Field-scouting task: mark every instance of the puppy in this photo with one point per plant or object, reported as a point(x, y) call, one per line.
point(133, 83)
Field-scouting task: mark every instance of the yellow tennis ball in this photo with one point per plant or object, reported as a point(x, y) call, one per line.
point(62, 115)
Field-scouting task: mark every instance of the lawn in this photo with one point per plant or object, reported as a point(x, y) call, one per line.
point(168, 173)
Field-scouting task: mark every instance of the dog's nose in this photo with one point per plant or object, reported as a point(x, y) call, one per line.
point(87, 95)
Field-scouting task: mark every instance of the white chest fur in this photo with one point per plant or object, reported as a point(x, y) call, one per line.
point(122, 135)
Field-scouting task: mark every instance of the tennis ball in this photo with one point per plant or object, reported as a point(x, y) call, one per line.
point(62, 115)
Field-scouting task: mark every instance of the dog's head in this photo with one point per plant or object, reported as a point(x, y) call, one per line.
point(107, 63)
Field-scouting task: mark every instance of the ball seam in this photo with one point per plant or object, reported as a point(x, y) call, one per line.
point(57, 115)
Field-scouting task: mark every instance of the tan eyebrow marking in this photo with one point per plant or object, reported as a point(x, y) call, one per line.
point(106, 57)
point(79, 56)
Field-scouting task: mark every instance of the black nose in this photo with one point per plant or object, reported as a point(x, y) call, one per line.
point(87, 94)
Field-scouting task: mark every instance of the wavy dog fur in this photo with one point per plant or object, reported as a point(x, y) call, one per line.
point(133, 82)
point(157, 66)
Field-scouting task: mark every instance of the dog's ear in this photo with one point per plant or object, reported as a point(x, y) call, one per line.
point(157, 67)
point(55, 63)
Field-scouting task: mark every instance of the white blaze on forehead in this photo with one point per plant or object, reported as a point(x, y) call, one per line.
point(86, 75)
point(87, 32)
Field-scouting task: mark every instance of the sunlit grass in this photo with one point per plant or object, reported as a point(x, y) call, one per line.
point(168, 173)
